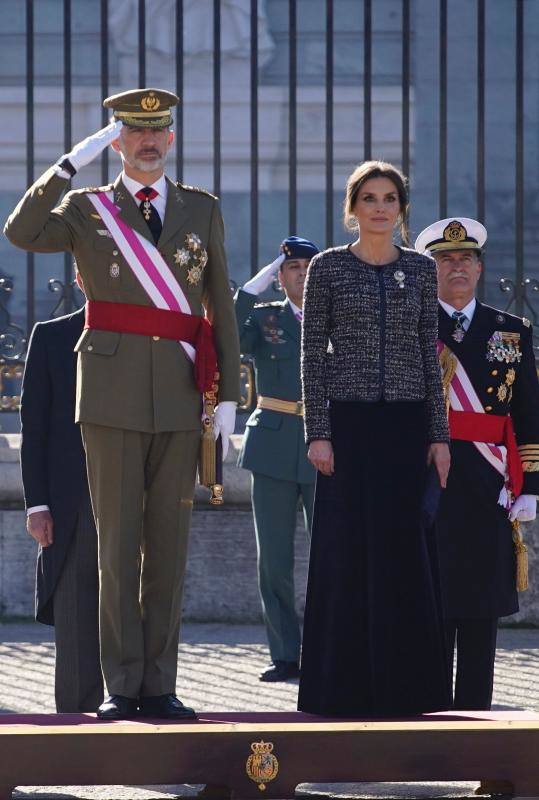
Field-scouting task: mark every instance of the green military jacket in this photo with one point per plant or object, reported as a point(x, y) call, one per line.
point(274, 442)
point(129, 381)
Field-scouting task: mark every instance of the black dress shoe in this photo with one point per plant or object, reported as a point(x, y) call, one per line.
point(165, 706)
point(118, 707)
point(280, 671)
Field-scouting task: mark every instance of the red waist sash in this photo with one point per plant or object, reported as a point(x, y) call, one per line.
point(471, 426)
point(150, 321)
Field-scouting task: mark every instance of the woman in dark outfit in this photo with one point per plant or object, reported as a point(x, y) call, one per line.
point(375, 418)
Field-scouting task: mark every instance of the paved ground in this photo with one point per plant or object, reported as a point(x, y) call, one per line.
point(218, 671)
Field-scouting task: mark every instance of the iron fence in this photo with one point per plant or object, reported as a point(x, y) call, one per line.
point(519, 290)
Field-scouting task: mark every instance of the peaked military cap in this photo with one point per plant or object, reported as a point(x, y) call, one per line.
point(453, 233)
point(143, 108)
point(296, 247)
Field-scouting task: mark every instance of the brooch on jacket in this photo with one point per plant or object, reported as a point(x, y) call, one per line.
point(193, 256)
point(504, 346)
point(399, 277)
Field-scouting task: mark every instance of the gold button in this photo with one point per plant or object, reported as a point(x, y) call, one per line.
point(494, 372)
point(490, 389)
point(488, 408)
point(40, 191)
point(90, 347)
point(155, 338)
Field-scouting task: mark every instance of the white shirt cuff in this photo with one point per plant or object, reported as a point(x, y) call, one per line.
point(62, 173)
point(35, 509)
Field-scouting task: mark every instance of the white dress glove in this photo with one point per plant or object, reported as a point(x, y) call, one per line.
point(264, 277)
point(84, 152)
point(524, 508)
point(224, 422)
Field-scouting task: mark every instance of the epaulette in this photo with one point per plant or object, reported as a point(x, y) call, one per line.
point(504, 317)
point(272, 304)
point(94, 189)
point(195, 189)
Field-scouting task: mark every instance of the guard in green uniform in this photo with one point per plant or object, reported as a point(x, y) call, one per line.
point(151, 256)
point(274, 445)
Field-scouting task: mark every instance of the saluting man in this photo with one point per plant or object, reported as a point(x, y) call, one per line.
point(274, 446)
point(159, 323)
point(493, 394)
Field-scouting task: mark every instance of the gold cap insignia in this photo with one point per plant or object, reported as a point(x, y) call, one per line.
point(455, 232)
point(150, 102)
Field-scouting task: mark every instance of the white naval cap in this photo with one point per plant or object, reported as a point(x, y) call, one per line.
point(453, 233)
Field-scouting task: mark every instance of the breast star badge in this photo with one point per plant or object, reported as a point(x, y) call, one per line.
point(182, 257)
point(193, 241)
point(194, 275)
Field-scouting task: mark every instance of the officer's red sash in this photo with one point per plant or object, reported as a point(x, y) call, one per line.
point(470, 426)
point(492, 435)
point(148, 321)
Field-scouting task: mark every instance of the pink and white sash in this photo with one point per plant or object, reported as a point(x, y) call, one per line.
point(145, 261)
point(463, 397)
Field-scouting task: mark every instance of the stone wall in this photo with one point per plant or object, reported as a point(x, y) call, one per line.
point(221, 575)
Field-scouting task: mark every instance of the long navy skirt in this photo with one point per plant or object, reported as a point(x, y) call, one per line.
point(373, 643)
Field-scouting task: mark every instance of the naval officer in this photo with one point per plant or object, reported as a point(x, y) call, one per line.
point(159, 324)
point(274, 447)
point(493, 395)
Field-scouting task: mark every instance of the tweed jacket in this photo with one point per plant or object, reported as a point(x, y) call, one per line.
point(366, 338)
point(127, 381)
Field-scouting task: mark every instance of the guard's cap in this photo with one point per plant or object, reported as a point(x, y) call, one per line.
point(296, 247)
point(453, 233)
point(143, 108)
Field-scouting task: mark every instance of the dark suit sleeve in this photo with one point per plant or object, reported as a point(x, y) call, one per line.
point(36, 402)
point(525, 413)
point(248, 329)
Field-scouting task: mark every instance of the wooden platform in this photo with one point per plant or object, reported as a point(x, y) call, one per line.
point(43, 750)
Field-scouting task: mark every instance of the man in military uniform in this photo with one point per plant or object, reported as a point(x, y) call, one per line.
point(491, 380)
point(151, 255)
point(274, 446)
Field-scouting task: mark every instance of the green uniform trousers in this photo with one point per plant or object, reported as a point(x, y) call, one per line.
point(275, 508)
point(141, 486)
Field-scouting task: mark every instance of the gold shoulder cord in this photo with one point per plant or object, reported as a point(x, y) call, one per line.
point(448, 364)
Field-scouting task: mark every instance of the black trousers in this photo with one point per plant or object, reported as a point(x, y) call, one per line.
point(78, 677)
point(475, 641)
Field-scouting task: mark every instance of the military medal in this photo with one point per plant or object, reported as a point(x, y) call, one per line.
point(114, 270)
point(193, 256)
point(181, 257)
point(146, 210)
point(399, 277)
point(194, 275)
point(504, 346)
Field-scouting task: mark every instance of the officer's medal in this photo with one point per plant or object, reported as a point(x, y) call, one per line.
point(146, 210)
point(458, 333)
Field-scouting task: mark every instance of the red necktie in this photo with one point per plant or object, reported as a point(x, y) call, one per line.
point(149, 212)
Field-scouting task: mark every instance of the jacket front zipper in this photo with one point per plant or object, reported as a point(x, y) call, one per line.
point(382, 330)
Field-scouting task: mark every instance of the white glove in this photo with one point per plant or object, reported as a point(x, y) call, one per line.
point(224, 422)
point(264, 277)
point(84, 152)
point(524, 508)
